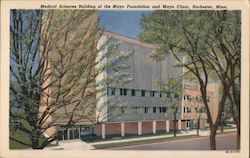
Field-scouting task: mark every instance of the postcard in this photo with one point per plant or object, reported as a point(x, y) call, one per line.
point(124, 79)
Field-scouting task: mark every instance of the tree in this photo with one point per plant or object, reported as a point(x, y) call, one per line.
point(201, 46)
point(225, 115)
point(56, 59)
point(171, 90)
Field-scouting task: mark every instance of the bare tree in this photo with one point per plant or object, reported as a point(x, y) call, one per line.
point(56, 59)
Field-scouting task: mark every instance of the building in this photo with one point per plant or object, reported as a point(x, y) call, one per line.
point(193, 108)
point(137, 107)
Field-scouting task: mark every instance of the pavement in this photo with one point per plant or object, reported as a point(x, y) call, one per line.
point(71, 145)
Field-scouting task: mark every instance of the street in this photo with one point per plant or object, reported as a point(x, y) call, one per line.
point(224, 142)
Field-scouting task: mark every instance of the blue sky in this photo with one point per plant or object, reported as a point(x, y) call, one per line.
point(123, 22)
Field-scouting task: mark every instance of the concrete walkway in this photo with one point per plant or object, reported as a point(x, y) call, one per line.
point(71, 145)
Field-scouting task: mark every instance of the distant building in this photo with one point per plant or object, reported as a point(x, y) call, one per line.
point(139, 107)
point(192, 109)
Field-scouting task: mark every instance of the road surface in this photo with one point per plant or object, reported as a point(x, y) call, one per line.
point(224, 142)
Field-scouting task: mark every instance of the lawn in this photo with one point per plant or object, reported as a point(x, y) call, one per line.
point(149, 141)
point(23, 137)
point(138, 142)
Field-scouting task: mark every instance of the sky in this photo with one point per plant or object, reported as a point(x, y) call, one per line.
point(122, 22)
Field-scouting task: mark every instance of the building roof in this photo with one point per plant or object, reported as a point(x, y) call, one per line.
point(129, 39)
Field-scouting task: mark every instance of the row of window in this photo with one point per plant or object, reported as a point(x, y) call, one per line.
point(145, 110)
point(137, 110)
point(197, 98)
point(133, 92)
point(189, 110)
point(144, 93)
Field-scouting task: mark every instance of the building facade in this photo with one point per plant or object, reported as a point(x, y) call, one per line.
point(137, 107)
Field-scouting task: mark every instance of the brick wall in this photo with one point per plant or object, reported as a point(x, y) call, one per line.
point(131, 128)
point(184, 125)
point(147, 127)
point(98, 129)
point(160, 126)
point(112, 128)
point(171, 124)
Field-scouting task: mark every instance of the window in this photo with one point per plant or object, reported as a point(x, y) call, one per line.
point(178, 109)
point(122, 110)
point(143, 93)
point(147, 93)
point(164, 109)
point(188, 124)
point(135, 109)
point(156, 94)
point(160, 110)
point(154, 109)
point(125, 92)
point(76, 133)
point(145, 110)
point(187, 110)
point(133, 92)
point(121, 92)
point(65, 134)
point(112, 91)
point(199, 98)
point(152, 93)
point(138, 93)
point(60, 135)
point(160, 94)
point(187, 97)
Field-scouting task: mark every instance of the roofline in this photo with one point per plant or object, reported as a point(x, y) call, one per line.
point(129, 39)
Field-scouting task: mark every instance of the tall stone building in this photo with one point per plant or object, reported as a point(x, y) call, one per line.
point(137, 107)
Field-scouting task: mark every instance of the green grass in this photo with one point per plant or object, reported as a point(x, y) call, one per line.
point(23, 137)
point(225, 132)
point(138, 142)
point(19, 135)
point(149, 141)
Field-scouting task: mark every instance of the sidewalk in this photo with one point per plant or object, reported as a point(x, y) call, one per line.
point(183, 133)
point(71, 145)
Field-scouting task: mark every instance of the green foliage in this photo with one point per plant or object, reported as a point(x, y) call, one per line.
point(206, 43)
point(191, 33)
point(171, 90)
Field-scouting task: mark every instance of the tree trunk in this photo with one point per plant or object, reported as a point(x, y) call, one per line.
point(35, 139)
point(222, 125)
point(35, 142)
point(212, 138)
point(174, 124)
point(198, 126)
point(238, 136)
